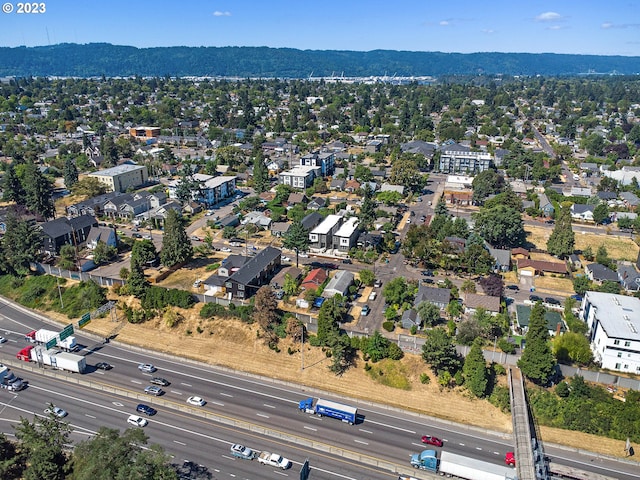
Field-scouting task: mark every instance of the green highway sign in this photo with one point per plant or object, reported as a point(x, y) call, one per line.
point(51, 343)
point(86, 318)
point(66, 332)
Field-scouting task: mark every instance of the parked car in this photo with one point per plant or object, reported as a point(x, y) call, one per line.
point(377, 283)
point(577, 298)
point(57, 411)
point(552, 301)
point(159, 381)
point(535, 298)
point(427, 273)
point(195, 238)
point(365, 310)
point(197, 283)
point(225, 249)
point(515, 288)
point(196, 401)
point(286, 259)
point(372, 296)
point(347, 261)
point(137, 421)
point(147, 368)
point(429, 440)
point(153, 390)
point(146, 409)
point(136, 235)
point(104, 366)
point(303, 255)
point(279, 294)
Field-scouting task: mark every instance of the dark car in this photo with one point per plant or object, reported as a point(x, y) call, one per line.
point(552, 301)
point(535, 298)
point(513, 287)
point(576, 297)
point(427, 273)
point(159, 381)
point(104, 366)
point(427, 281)
point(347, 261)
point(146, 409)
point(429, 440)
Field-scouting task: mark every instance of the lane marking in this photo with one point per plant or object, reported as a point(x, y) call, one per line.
point(268, 406)
point(262, 415)
point(217, 403)
point(365, 431)
point(136, 381)
point(176, 392)
point(180, 443)
point(186, 384)
point(226, 394)
point(360, 441)
point(90, 416)
point(311, 428)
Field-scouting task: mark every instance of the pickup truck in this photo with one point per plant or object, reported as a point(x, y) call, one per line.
point(243, 452)
point(274, 460)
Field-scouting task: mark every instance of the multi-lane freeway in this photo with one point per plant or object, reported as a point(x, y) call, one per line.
point(260, 405)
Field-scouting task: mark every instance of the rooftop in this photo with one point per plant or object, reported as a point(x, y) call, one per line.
point(619, 315)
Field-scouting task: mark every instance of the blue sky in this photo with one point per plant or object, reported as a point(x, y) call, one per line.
point(601, 27)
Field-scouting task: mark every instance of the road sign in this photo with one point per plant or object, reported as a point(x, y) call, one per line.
point(86, 318)
point(51, 343)
point(66, 332)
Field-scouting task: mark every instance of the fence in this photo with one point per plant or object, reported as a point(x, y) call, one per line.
point(81, 276)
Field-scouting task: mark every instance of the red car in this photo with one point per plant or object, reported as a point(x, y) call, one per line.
point(429, 440)
point(510, 459)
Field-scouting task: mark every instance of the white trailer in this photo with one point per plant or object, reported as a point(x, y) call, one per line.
point(42, 336)
point(60, 360)
point(472, 469)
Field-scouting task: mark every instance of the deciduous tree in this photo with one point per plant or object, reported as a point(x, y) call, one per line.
point(440, 352)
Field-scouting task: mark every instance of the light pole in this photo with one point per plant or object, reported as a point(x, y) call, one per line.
point(59, 292)
point(301, 346)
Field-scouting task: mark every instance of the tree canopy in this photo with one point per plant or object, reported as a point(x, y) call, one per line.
point(537, 362)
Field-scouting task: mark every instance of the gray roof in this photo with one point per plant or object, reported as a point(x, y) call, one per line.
point(312, 220)
point(501, 256)
point(602, 273)
point(578, 208)
point(436, 295)
point(338, 284)
point(619, 315)
point(252, 269)
point(410, 318)
point(630, 198)
point(629, 277)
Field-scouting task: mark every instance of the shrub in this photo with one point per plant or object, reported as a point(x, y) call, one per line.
point(212, 310)
point(506, 346)
point(389, 326)
point(499, 369)
point(425, 379)
point(414, 329)
point(367, 367)
point(159, 297)
point(500, 398)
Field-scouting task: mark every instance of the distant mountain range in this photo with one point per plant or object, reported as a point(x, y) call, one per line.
point(97, 59)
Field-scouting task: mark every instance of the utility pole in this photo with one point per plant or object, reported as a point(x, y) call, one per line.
point(301, 346)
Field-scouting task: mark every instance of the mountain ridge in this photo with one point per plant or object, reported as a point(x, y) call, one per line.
point(97, 59)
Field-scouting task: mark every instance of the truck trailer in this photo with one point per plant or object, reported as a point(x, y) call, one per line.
point(451, 464)
point(42, 336)
point(54, 358)
point(328, 408)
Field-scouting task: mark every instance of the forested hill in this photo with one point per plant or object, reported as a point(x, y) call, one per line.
point(111, 60)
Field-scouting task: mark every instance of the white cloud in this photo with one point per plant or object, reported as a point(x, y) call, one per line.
point(549, 17)
point(221, 14)
point(488, 31)
point(607, 25)
point(554, 27)
point(444, 23)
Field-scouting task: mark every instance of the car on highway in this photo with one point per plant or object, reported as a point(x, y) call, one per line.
point(57, 411)
point(137, 421)
point(153, 390)
point(146, 409)
point(430, 440)
point(147, 368)
point(510, 459)
point(104, 366)
point(3, 340)
point(240, 451)
point(225, 249)
point(159, 381)
point(196, 401)
point(365, 311)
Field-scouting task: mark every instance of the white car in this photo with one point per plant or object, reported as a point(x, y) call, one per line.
point(57, 411)
point(286, 259)
point(303, 255)
point(3, 340)
point(146, 367)
point(196, 401)
point(137, 421)
point(225, 249)
point(197, 283)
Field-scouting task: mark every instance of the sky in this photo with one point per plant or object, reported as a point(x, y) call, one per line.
point(599, 27)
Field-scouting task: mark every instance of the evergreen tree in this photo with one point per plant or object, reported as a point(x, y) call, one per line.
point(296, 238)
point(441, 207)
point(176, 247)
point(476, 374)
point(12, 189)
point(537, 362)
point(184, 187)
point(21, 244)
point(38, 191)
point(368, 208)
point(260, 174)
point(561, 242)
point(329, 317)
point(70, 173)
point(439, 351)
point(136, 282)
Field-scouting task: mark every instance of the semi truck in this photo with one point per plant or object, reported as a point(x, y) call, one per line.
point(54, 358)
point(451, 464)
point(9, 381)
point(328, 408)
point(42, 336)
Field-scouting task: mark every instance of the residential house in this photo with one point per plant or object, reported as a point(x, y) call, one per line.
point(278, 281)
point(474, 301)
point(410, 318)
point(300, 176)
point(574, 261)
point(113, 206)
point(555, 324)
point(546, 207)
point(351, 186)
point(314, 279)
point(339, 284)
point(456, 244)
point(210, 190)
point(582, 212)
point(321, 237)
point(66, 231)
point(337, 184)
point(614, 330)
point(317, 203)
point(345, 238)
point(387, 187)
point(280, 229)
point(607, 196)
point(599, 273)
point(312, 220)
point(440, 297)
point(502, 259)
point(631, 201)
point(92, 206)
point(628, 277)
point(323, 160)
point(105, 235)
point(228, 221)
point(258, 219)
point(578, 192)
point(231, 265)
point(256, 272)
point(540, 267)
point(295, 198)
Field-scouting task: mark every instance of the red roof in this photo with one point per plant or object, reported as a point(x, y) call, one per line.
point(543, 266)
point(314, 278)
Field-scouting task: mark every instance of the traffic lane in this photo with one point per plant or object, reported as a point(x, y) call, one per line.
point(183, 436)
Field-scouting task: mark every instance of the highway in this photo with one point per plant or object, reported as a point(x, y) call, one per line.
point(381, 434)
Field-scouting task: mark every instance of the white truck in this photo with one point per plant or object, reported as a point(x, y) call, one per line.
point(274, 460)
point(57, 359)
point(43, 335)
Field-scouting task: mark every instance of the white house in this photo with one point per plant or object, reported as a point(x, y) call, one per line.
point(614, 330)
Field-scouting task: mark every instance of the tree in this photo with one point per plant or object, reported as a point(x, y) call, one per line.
point(367, 277)
point(296, 238)
point(602, 257)
point(12, 189)
point(184, 188)
point(476, 374)
point(67, 257)
point(468, 330)
point(486, 183)
point(176, 247)
point(290, 285)
point(70, 173)
point(468, 286)
point(136, 282)
point(111, 455)
point(600, 213)
point(21, 244)
point(492, 285)
point(572, 347)
point(89, 187)
point(368, 208)
point(376, 347)
point(537, 362)
point(396, 291)
point(561, 242)
point(501, 226)
point(429, 313)
point(266, 313)
point(260, 174)
point(441, 207)
point(581, 284)
point(440, 352)
point(330, 315)
point(103, 253)
point(144, 251)
point(38, 192)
